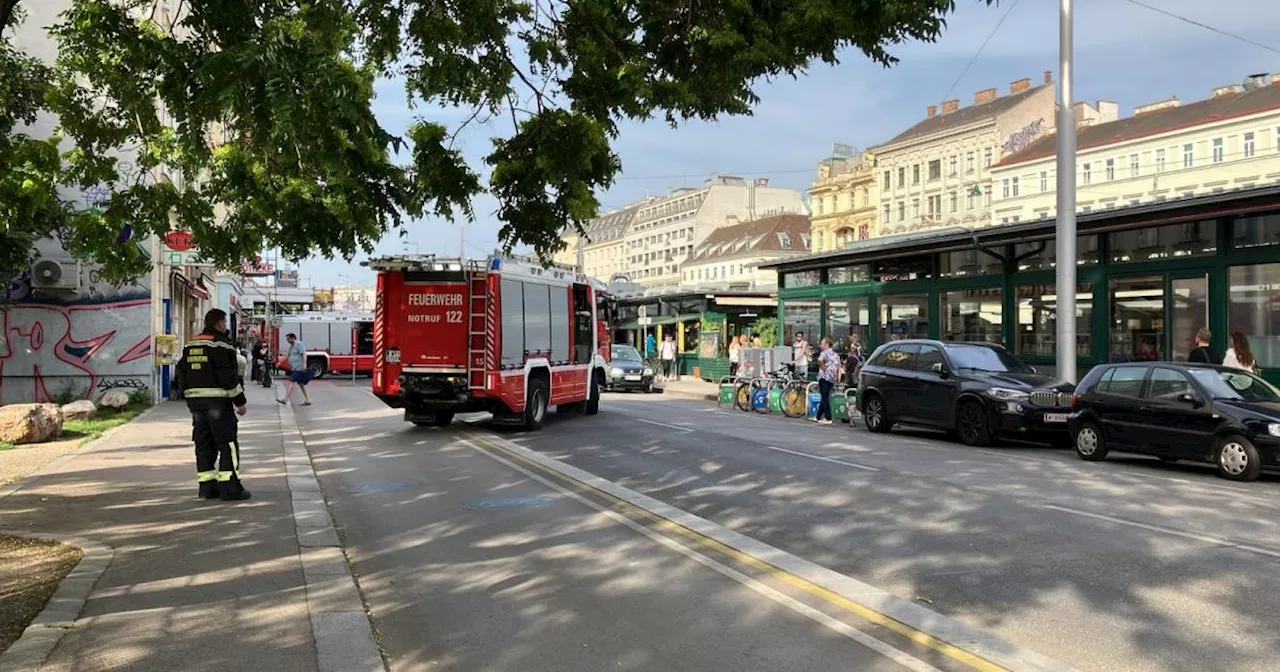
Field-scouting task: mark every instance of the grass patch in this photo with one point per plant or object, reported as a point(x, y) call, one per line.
point(5, 445)
point(30, 570)
point(107, 418)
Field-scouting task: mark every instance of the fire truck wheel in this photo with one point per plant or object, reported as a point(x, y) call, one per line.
point(317, 368)
point(535, 407)
point(593, 396)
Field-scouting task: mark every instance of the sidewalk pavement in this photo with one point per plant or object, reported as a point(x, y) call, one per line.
point(688, 386)
point(193, 584)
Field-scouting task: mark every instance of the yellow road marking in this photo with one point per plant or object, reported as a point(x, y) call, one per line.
point(862, 611)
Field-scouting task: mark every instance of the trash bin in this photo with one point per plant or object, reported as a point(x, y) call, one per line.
point(840, 406)
point(728, 391)
point(775, 399)
point(760, 398)
point(815, 400)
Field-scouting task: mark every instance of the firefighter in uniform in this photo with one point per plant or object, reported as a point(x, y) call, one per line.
point(211, 380)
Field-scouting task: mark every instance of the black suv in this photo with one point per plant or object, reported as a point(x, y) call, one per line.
point(977, 390)
point(1180, 411)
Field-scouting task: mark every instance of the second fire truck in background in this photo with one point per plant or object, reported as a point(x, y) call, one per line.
point(336, 342)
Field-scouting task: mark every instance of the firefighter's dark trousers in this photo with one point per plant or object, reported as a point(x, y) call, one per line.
point(217, 452)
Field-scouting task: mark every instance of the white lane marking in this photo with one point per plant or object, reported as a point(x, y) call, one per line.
point(662, 424)
point(902, 658)
point(1217, 541)
point(824, 459)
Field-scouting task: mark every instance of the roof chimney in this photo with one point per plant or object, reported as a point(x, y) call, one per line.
point(1256, 81)
point(1227, 90)
point(949, 106)
point(1108, 111)
point(984, 96)
point(1275, 79)
point(1019, 86)
point(1154, 107)
point(1048, 76)
point(931, 111)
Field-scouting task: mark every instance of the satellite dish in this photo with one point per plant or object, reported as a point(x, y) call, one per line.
point(46, 273)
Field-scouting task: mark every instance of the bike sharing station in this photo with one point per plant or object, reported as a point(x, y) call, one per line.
point(766, 383)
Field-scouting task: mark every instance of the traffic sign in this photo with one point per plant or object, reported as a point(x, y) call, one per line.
point(645, 321)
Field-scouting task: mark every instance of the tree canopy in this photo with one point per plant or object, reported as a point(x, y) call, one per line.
point(252, 120)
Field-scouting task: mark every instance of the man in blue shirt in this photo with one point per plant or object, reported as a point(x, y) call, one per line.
point(299, 374)
point(650, 345)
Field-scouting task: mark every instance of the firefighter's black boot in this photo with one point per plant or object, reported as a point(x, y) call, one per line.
point(232, 490)
point(209, 490)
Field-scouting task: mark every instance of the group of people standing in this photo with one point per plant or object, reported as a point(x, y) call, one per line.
point(1238, 355)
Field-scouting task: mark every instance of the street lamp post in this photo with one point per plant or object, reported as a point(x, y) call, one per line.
point(1066, 229)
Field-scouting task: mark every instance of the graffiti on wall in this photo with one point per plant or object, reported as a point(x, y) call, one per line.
point(1020, 139)
point(78, 349)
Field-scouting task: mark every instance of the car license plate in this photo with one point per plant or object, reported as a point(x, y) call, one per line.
point(632, 378)
point(1055, 417)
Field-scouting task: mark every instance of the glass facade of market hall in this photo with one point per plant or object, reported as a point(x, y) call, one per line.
point(1143, 290)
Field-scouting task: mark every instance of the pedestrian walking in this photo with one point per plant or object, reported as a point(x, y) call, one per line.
point(1239, 356)
point(299, 374)
point(209, 377)
point(800, 356)
point(828, 372)
point(1201, 352)
point(261, 354)
point(735, 353)
point(650, 346)
point(668, 355)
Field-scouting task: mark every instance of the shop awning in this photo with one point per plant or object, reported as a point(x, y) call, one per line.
point(193, 288)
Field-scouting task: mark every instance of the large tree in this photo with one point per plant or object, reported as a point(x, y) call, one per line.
point(253, 126)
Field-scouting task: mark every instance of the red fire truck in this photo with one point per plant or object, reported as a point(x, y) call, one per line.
point(335, 341)
point(503, 335)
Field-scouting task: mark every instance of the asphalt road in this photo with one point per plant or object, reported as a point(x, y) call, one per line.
point(468, 563)
point(1129, 564)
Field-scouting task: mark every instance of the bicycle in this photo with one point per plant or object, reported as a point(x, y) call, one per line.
point(793, 398)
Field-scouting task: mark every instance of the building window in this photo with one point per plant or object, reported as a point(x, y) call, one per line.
point(952, 166)
point(1217, 150)
point(1189, 239)
point(1036, 329)
point(800, 316)
point(819, 204)
point(902, 176)
point(1014, 184)
point(1134, 166)
point(1246, 146)
point(968, 162)
point(1159, 160)
point(902, 210)
point(967, 263)
point(1188, 155)
point(848, 317)
point(1111, 169)
point(973, 315)
point(1004, 188)
point(915, 208)
point(986, 198)
point(1250, 307)
point(1087, 173)
point(886, 213)
point(986, 158)
point(971, 200)
point(935, 205)
point(915, 174)
point(886, 179)
point(935, 170)
point(904, 316)
point(1044, 181)
point(955, 202)
point(1260, 231)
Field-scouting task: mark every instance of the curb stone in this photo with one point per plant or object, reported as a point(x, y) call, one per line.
point(56, 462)
point(63, 609)
point(340, 626)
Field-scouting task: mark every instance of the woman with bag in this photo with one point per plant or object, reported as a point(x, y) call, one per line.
point(1238, 355)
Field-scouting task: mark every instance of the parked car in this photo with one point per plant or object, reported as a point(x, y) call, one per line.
point(978, 391)
point(627, 370)
point(1179, 411)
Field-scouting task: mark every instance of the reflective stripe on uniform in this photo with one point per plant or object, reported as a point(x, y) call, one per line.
point(213, 392)
point(235, 456)
point(208, 341)
point(205, 476)
point(224, 476)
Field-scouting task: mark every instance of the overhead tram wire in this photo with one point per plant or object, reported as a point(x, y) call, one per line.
point(1204, 25)
point(985, 42)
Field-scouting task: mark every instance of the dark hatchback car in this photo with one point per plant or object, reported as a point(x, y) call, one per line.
point(627, 370)
point(1178, 411)
point(977, 390)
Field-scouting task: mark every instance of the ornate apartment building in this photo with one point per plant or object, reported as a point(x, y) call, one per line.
point(600, 253)
point(665, 230)
point(938, 172)
point(843, 202)
point(732, 254)
point(1166, 150)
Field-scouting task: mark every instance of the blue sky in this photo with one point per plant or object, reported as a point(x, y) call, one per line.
point(1124, 52)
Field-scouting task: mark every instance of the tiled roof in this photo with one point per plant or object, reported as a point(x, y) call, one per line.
point(611, 226)
point(777, 233)
point(964, 116)
point(1159, 121)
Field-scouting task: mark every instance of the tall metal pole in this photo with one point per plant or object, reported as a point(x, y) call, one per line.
point(1066, 232)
